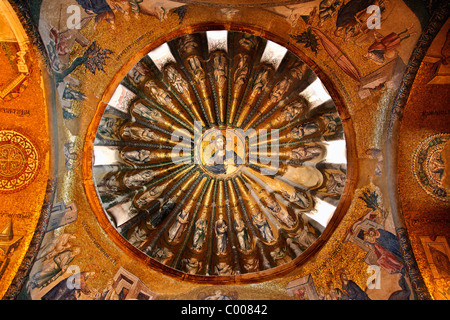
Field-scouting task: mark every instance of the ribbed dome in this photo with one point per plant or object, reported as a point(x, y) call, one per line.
point(221, 153)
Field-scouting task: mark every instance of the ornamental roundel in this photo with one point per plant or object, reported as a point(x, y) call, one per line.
point(219, 154)
point(429, 166)
point(18, 161)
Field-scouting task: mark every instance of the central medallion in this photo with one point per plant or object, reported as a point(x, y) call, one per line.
point(221, 152)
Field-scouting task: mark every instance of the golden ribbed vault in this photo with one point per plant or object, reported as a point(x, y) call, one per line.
point(220, 154)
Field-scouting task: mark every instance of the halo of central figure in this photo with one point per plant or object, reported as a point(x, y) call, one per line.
point(220, 154)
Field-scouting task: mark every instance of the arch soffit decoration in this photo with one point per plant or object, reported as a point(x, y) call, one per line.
point(392, 140)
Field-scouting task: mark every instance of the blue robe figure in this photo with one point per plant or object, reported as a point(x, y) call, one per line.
point(94, 6)
point(402, 294)
point(387, 247)
point(390, 242)
point(70, 288)
point(352, 290)
point(100, 8)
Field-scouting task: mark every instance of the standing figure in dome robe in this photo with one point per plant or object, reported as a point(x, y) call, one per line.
point(297, 197)
point(149, 114)
point(303, 130)
point(290, 111)
point(141, 156)
point(155, 219)
point(178, 228)
point(263, 226)
point(196, 69)
point(260, 82)
point(199, 234)
point(279, 212)
point(138, 133)
point(160, 95)
point(149, 195)
point(138, 179)
point(176, 80)
point(187, 43)
point(241, 72)
point(242, 234)
point(221, 234)
point(279, 90)
point(305, 152)
point(220, 68)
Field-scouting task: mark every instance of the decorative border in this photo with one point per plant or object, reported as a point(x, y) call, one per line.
point(424, 42)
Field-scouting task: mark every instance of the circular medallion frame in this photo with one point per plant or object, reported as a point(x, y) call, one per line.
point(428, 166)
point(19, 161)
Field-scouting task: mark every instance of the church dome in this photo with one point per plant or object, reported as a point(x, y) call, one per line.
point(220, 154)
